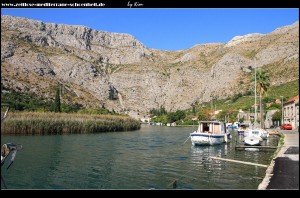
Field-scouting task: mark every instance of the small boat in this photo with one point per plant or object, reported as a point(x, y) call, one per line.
point(258, 132)
point(235, 125)
point(253, 140)
point(253, 137)
point(242, 129)
point(210, 133)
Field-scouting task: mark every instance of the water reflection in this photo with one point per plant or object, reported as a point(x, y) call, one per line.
point(151, 158)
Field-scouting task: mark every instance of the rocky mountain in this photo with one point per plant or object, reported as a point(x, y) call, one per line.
point(91, 65)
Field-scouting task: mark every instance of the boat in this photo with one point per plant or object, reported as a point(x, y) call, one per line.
point(257, 132)
point(235, 125)
point(8, 148)
point(265, 134)
point(256, 129)
point(253, 137)
point(210, 133)
point(243, 127)
point(253, 140)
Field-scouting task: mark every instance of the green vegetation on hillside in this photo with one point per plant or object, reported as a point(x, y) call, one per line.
point(32, 103)
point(287, 90)
point(245, 102)
point(229, 106)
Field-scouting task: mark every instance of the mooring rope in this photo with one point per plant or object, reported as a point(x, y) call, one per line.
point(175, 181)
point(187, 139)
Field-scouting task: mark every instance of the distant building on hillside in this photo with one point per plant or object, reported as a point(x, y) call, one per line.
point(291, 112)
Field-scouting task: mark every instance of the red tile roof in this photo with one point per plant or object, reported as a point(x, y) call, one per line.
point(292, 99)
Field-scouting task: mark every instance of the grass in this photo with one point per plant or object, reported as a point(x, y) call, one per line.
point(34, 123)
point(287, 90)
point(280, 144)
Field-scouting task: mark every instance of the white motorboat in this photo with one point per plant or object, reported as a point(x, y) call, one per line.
point(210, 133)
point(253, 137)
point(253, 140)
point(257, 132)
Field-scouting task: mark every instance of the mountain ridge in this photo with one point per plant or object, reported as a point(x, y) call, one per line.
point(89, 64)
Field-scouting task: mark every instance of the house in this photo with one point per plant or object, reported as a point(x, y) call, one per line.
point(291, 112)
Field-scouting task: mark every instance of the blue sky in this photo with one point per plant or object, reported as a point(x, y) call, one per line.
point(168, 28)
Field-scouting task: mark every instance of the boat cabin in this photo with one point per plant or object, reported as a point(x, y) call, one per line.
point(212, 127)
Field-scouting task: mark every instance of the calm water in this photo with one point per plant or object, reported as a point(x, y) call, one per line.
point(150, 158)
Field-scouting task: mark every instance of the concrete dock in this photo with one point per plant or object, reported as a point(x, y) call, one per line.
point(283, 172)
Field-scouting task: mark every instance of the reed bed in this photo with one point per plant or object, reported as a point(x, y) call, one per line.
point(36, 123)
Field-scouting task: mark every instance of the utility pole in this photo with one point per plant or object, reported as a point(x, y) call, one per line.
point(255, 117)
point(281, 110)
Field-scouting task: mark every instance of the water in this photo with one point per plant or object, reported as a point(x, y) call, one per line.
point(150, 158)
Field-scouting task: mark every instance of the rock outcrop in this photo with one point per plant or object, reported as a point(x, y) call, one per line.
point(88, 64)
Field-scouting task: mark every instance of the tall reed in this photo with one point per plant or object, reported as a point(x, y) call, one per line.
point(38, 123)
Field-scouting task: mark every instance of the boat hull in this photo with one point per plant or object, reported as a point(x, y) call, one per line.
point(253, 140)
point(257, 132)
point(199, 139)
point(240, 132)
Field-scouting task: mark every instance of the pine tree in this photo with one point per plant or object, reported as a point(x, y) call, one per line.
point(57, 104)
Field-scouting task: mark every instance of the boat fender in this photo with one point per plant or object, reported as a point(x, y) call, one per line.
point(225, 137)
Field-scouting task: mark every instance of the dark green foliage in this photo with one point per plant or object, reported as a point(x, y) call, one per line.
point(24, 102)
point(248, 93)
point(162, 110)
point(268, 99)
point(241, 120)
point(98, 111)
point(236, 97)
point(158, 112)
point(276, 116)
point(274, 106)
point(71, 108)
point(57, 105)
point(194, 110)
point(113, 93)
point(31, 102)
point(228, 115)
point(178, 115)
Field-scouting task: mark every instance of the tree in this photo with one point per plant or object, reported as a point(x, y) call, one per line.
point(276, 117)
point(175, 116)
point(57, 104)
point(262, 86)
point(194, 110)
point(162, 110)
point(205, 114)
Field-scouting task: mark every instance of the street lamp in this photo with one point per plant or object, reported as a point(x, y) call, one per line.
point(281, 110)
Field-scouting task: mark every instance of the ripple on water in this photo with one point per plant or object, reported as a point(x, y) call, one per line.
point(150, 158)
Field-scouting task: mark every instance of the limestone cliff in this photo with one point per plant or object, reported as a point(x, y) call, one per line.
point(35, 56)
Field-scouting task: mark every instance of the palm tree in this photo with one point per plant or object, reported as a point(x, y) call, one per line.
point(262, 85)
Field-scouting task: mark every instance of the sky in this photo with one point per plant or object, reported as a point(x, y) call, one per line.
point(168, 28)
